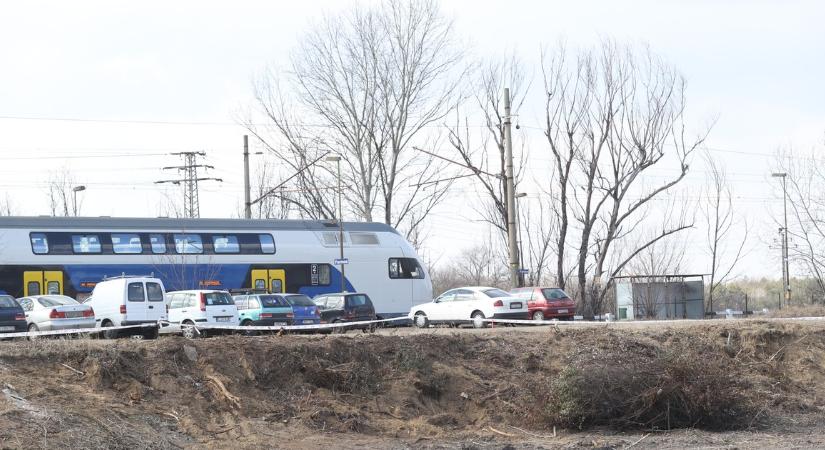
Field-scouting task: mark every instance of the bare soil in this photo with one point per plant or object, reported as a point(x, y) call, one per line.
point(746, 384)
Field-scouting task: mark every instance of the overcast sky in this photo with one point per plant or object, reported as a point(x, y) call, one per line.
point(128, 82)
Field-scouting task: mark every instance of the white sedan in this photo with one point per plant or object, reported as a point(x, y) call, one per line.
point(469, 304)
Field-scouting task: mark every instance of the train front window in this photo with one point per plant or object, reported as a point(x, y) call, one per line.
point(40, 244)
point(126, 244)
point(405, 268)
point(188, 244)
point(85, 243)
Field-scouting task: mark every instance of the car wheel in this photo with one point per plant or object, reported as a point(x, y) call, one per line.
point(151, 333)
point(188, 331)
point(478, 321)
point(248, 323)
point(33, 329)
point(109, 334)
point(421, 320)
point(538, 316)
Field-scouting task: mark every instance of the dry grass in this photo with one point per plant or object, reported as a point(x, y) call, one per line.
point(799, 311)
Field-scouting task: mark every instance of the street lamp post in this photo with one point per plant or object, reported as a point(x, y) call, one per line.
point(75, 190)
point(337, 161)
point(786, 276)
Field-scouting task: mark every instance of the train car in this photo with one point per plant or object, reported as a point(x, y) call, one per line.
point(69, 255)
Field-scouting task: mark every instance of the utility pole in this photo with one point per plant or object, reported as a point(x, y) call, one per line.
point(786, 275)
point(511, 192)
point(337, 161)
point(191, 205)
point(247, 200)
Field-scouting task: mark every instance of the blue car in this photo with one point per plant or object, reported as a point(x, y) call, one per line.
point(12, 316)
point(304, 309)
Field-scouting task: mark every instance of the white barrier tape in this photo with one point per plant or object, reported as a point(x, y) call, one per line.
point(72, 331)
point(639, 322)
point(320, 326)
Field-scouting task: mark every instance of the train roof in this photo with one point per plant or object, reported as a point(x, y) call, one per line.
point(163, 223)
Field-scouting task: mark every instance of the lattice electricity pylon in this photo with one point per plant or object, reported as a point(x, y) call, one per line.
point(191, 204)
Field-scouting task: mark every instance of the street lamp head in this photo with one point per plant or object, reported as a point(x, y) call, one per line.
point(522, 194)
point(779, 174)
point(332, 158)
point(78, 188)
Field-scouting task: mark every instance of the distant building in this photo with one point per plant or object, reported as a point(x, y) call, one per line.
point(660, 297)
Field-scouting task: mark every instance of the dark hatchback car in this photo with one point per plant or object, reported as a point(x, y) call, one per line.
point(346, 307)
point(12, 316)
point(547, 302)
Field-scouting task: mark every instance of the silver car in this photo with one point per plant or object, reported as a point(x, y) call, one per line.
point(56, 312)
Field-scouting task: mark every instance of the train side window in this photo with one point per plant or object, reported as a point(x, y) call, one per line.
point(126, 243)
point(225, 243)
point(158, 242)
point(188, 244)
point(267, 243)
point(405, 268)
point(40, 244)
point(85, 243)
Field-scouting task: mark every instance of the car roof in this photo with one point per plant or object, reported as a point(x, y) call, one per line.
point(207, 291)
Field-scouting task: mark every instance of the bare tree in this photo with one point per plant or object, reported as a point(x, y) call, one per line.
point(61, 195)
point(365, 85)
point(539, 228)
point(806, 201)
point(7, 206)
point(726, 235)
point(612, 116)
point(485, 162)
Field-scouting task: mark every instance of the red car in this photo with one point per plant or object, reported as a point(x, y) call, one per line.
point(547, 303)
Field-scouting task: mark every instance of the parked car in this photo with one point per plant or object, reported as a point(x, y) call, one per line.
point(265, 310)
point(128, 300)
point(547, 302)
point(56, 312)
point(12, 316)
point(346, 307)
point(469, 304)
point(200, 307)
point(305, 310)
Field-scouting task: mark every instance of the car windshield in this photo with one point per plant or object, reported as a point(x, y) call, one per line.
point(56, 300)
point(218, 298)
point(554, 294)
point(299, 300)
point(6, 301)
point(271, 301)
point(494, 293)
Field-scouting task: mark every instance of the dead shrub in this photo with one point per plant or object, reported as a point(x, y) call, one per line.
point(678, 388)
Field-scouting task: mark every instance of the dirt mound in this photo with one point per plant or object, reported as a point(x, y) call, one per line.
point(253, 391)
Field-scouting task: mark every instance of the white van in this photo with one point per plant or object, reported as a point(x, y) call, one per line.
point(128, 300)
point(200, 307)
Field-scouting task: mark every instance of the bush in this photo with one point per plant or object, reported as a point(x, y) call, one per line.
point(648, 389)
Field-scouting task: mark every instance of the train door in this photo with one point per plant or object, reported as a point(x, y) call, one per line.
point(42, 282)
point(270, 280)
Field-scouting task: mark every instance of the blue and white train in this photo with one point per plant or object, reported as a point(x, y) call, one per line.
point(69, 255)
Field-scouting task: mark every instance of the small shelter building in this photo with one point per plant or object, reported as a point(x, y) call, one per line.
point(660, 297)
